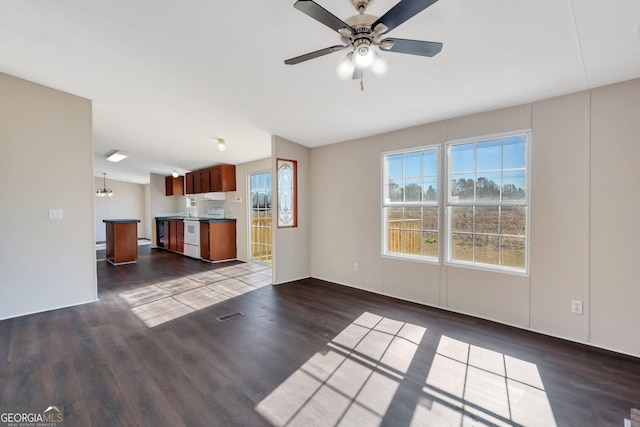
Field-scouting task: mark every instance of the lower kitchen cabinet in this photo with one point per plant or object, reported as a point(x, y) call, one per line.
point(174, 235)
point(218, 240)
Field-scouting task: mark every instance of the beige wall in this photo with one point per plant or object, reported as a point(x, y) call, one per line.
point(161, 204)
point(291, 249)
point(46, 162)
point(128, 202)
point(615, 223)
point(583, 220)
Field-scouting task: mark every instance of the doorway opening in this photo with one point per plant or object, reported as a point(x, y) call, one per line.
point(260, 217)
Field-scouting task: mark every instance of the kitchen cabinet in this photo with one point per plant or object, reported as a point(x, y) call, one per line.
point(215, 179)
point(218, 240)
point(205, 180)
point(197, 182)
point(180, 236)
point(174, 186)
point(223, 178)
point(189, 183)
point(174, 235)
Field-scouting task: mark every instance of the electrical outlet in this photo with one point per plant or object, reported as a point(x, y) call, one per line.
point(356, 267)
point(576, 307)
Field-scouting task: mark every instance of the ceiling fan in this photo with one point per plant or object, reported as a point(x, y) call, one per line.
point(363, 34)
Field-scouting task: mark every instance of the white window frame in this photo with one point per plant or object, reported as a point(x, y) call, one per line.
point(448, 204)
point(436, 204)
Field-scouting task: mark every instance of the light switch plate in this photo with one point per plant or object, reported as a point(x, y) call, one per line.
point(55, 213)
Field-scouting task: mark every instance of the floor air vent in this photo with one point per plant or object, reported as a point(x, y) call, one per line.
point(229, 316)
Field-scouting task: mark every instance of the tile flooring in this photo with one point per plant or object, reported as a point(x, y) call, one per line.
point(158, 303)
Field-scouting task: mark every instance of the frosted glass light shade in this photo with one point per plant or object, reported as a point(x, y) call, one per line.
point(346, 67)
point(362, 58)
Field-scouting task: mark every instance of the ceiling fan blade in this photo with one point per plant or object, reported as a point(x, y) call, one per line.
point(322, 15)
point(413, 47)
point(316, 54)
point(399, 13)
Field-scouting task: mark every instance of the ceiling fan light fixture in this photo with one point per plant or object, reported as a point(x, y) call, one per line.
point(222, 145)
point(363, 56)
point(175, 174)
point(379, 65)
point(346, 67)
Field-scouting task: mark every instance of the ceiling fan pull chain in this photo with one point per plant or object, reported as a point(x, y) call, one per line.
point(362, 83)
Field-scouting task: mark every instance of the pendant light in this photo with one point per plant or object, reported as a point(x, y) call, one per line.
point(104, 191)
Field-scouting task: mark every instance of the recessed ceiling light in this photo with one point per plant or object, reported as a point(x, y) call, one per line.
point(117, 156)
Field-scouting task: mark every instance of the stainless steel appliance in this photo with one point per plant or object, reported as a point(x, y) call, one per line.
point(192, 238)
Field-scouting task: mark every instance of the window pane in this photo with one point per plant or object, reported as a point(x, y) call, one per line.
point(430, 163)
point(487, 219)
point(513, 220)
point(412, 165)
point(413, 190)
point(462, 187)
point(411, 240)
point(394, 164)
point(462, 219)
point(462, 247)
point(488, 155)
point(513, 185)
point(394, 229)
point(430, 219)
point(411, 185)
point(487, 202)
point(395, 192)
point(430, 187)
point(488, 186)
point(512, 252)
point(486, 249)
point(462, 158)
point(430, 243)
point(513, 152)
point(412, 218)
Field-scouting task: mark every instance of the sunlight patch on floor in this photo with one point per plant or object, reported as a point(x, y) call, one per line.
point(353, 383)
point(470, 385)
point(161, 302)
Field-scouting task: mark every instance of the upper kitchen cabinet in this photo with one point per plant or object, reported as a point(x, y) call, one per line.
point(215, 179)
point(189, 182)
point(174, 186)
point(223, 178)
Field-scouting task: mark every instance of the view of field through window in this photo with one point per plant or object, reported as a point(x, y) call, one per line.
point(411, 199)
point(486, 203)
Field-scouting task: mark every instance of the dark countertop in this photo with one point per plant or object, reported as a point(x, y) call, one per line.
point(193, 218)
point(120, 221)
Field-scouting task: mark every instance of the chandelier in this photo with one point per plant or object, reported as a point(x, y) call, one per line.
point(104, 191)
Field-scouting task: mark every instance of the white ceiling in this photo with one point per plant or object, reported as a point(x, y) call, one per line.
point(166, 77)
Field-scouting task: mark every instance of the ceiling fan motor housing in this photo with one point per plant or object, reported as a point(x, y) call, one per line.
point(361, 5)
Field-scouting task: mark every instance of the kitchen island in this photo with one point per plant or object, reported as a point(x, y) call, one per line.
point(122, 240)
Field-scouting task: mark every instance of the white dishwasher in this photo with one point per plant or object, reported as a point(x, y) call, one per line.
point(192, 238)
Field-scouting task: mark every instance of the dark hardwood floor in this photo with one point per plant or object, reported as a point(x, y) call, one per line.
point(305, 353)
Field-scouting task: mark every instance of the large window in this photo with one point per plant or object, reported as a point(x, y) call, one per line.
point(487, 202)
point(410, 204)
